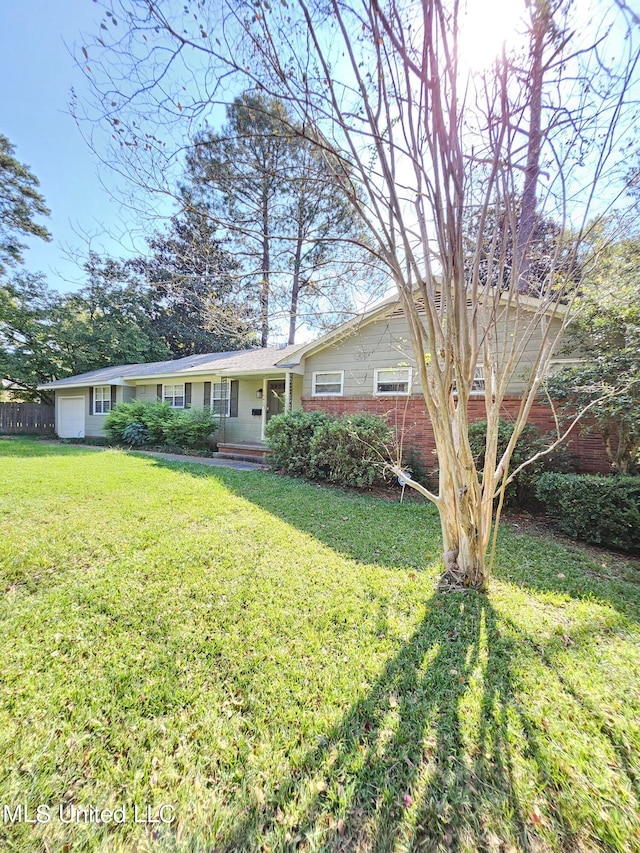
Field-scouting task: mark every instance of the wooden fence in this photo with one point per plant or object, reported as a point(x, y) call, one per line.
point(23, 418)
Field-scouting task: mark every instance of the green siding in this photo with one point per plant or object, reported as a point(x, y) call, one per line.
point(385, 343)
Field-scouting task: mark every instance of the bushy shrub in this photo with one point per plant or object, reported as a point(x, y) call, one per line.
point(155, 418)
point(135, 434)
point(602, 510)
point(413, 462)
point(141, 424)
point(521, 492)
point(289, 437)
point(351, 450)
point(151, 416)
point(189, 428)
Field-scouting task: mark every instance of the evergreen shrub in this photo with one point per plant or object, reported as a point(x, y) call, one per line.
point(601, 510)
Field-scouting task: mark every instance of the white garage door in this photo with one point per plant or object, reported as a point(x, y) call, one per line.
point(71, 417)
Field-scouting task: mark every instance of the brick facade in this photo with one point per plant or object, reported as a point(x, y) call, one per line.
point(408, 415)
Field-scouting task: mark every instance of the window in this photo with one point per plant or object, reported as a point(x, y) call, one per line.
point(478, 387)
point(478, 384)
point(392, 380)
point(220, 399)
point(101, 399)
point(328, 384)
point(174, 395)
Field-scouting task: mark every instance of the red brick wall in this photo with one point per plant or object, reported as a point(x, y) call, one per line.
point(409, 416)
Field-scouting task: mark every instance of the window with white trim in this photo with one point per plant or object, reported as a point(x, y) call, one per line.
point(174, 395)
point(392, 380)
point(328, 383)
point(478, 385)
point(220, 399)
point(101, 399)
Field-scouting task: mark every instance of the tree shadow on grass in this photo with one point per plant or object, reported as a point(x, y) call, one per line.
point(387, 533)
point(424, 759)
point(439, 753)
point(541, 563)
point(361, 527)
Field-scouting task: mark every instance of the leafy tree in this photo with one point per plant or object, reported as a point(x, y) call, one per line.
point(20, 203)
point(607, 331)
point(197, 303)
point(245, 167)
point(194, 300)
point(323, 242)
point(107, 322)
point(551, 259)
point(294, 231)
point(45, 335)
point(28, 346)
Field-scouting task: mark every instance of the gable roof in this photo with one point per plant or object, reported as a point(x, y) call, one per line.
point(217, 363)
point(257, 360)
point(392, 307)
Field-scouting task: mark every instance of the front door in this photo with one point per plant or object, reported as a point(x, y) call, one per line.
point(275, 397)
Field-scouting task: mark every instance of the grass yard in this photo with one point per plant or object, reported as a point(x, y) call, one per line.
point(269, 659)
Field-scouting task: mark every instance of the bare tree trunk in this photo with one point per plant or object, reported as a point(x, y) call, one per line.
point(266, 272)
point(295, 286)
point(541, 23)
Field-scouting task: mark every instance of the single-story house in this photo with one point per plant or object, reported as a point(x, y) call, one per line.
point(365, 364)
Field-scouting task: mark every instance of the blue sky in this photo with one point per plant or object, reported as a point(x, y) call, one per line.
point(38, 71)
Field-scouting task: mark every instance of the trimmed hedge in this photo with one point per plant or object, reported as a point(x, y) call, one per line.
point(350, 450)
point(289, 437)
point(140, 424)
point(601, 510)
point(521, 492)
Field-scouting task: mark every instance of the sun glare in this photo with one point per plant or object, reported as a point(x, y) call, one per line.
point(485, 27)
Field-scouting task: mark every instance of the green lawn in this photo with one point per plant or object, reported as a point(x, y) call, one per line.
point(270, 659)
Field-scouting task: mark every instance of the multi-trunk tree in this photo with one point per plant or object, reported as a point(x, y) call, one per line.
point(418, 144)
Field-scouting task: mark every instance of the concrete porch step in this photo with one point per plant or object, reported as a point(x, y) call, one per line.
point(243, 452)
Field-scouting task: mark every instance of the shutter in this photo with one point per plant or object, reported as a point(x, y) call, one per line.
point(159, 391)
point(233, 399)
point(187, 395)
point(207, 395)
point(91, 412)
point(114, 391)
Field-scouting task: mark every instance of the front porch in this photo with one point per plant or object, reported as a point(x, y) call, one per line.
point(245, 403)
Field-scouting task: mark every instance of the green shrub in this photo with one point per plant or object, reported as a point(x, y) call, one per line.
point(155, 417)
point(189, 428)
point(289, 437)
point(351, 450)
point(135, 434)
point(602, 510)
point(151, 416)
point(521, 492)
point(141, 424)
point(413, 462)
